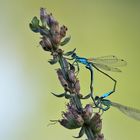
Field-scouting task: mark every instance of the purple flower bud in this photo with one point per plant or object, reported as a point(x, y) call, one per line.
point(72, 123)
point(46, 18)
point(43, 16)
point(72, 76)
point(43, 12)
point(46, 43)
point(63, 30)
point(77, 87)
point(96, 123)
point(88, 111)
point(79, 120)
point(44, 46)
point(71, 119)
point(55, 28)
point(56, 39)
point(51, 20)
point(61, 78)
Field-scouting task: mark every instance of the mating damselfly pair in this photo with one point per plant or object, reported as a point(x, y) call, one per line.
point(108, 63)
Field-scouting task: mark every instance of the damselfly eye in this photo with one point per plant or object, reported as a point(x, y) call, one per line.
point(97, 97)
point(73, 55)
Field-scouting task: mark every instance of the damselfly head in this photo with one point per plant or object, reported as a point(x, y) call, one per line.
point(70, 53)
point(73, 55)
point(97, 97)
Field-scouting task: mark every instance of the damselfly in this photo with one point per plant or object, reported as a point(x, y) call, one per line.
point(109, 63)
point(105, 104)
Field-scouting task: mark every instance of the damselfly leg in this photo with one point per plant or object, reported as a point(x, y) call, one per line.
point(91, 83)
point(115, 82)
point(75, 63)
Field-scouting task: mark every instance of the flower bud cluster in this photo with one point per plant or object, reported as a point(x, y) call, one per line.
point(72, 119)
point(52, 34)
point(69, 82)
point(96, 125)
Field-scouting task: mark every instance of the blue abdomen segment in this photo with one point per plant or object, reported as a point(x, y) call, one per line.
point(83, 61)
point(106, 94)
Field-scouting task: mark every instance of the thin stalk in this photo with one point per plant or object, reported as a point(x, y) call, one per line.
point(64, 66)
point(89, 133)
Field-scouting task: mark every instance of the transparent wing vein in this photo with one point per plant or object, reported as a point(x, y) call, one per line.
point(129, 111)
point(106, 67)
point(109, 60)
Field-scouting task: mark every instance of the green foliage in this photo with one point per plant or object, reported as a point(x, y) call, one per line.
point(34, 25)
point(65, 41)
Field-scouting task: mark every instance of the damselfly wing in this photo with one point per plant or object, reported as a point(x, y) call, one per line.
point(109, 63)
point(129, 111)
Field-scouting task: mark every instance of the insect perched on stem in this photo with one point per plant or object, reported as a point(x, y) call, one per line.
point(104, 104)
point(108, 63)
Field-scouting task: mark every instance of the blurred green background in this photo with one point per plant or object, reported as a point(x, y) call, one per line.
point(97, 27)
